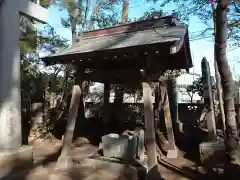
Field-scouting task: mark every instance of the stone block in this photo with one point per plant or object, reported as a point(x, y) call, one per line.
point(119, 146)
point(212, 152)
point(15, 160)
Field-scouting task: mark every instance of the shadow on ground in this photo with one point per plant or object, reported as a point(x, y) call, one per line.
point(86, 168)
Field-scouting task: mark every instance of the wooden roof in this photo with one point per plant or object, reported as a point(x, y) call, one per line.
point(157, 45)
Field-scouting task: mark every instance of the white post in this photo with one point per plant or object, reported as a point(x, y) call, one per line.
point(33, 10)
point(12, 153)
point(10, 90)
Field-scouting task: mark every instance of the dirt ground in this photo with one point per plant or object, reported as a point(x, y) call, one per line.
point(87, 167)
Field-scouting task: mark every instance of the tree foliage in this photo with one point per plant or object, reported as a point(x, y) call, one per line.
point(103, 15)
point(35, 81)
point(196, 87)
point(202, 9)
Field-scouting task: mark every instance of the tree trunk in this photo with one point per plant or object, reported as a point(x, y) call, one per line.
point(94, 15)
point(217, 76)
point(87, 10)
point(76, 16)
point(173, 101)
point(237, 106)
point(191, 99)
point(36, 119)
point(125, 11)
point(106, 104)
point(231, 140)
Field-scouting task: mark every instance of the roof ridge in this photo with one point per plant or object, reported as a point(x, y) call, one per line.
point(131, 27)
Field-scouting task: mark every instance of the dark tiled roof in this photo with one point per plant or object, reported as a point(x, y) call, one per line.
point(149, 32)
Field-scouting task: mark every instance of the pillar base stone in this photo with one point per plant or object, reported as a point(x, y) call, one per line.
point(12, 161)
point(172, 153)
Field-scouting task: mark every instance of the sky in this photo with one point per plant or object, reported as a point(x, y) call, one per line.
point(199, 48)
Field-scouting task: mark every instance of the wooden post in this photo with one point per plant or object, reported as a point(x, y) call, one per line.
point(106, 111)
point(172, 151)
point(161, 140)
point(36, 119)
point(219, 93)
point(173, 101)
point(149, 126)
point(208, 99)
point(141, 145)
point(65, 161)
point(156, 106)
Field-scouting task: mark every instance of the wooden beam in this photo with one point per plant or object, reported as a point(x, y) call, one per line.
point(34, 11)
point(162, 141)
point(156, 105)
point(149, 126)
point(175, 48)
point(123, 76)
point(114, 74)
point(172, 151)
point(135, 26)
point(137, 53)
point(65, 161)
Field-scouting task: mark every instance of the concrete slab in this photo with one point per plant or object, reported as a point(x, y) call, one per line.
point(15, 160)
point(33, 11)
